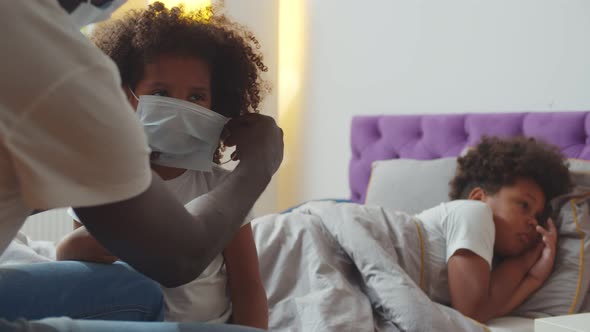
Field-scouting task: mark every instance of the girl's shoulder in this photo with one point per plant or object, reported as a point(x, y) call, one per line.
point(217, 174)
point(209, 179)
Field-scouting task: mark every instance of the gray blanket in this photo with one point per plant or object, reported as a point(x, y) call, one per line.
point(346, 267)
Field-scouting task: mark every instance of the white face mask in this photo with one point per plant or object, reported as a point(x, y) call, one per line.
point(185, 134)
point(87, 13)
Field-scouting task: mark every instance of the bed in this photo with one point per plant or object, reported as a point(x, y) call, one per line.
point(359, 267)
point(425, 137)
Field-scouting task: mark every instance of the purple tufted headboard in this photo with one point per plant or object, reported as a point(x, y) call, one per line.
point(436, 136)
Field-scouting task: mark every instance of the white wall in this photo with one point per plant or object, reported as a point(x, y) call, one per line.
point(261, 17)
point(432, 56)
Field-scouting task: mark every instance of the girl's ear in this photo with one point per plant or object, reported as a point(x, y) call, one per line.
point(477, 194)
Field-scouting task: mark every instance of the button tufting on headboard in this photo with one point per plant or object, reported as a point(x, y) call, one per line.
point(445, 135)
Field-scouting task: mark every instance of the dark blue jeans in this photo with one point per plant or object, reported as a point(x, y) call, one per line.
point(78, 290)
point(107, 294)
point(69, 325)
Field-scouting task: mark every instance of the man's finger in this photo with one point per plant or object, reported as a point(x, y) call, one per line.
point(234, 156)
point(233, 138)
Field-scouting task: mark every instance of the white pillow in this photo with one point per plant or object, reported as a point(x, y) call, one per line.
point(410, 185)
point(579, 165)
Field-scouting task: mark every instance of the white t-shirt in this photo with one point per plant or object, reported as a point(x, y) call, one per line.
point(460, 224)
point(207, 298)
point(68, 136)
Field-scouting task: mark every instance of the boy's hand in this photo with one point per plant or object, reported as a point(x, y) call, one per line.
point(543, 267)
point(531, 256)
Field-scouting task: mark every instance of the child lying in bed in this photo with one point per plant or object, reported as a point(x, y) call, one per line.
point(493, 244)
point(200, 64)
point(483, 253)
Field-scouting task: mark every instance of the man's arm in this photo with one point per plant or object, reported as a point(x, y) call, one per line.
point(155, 234)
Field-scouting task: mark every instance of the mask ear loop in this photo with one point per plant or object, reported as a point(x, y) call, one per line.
point(232, 158)
point(133, 94)
point(225, 162)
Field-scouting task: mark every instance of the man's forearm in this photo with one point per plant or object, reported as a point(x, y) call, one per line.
point(228, 204)
point(156, 235)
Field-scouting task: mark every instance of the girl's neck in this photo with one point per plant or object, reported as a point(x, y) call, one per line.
point(168, 173)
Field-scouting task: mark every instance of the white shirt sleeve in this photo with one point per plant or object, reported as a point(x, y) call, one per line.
point(65, 123)
point(80, 144)
point(470, 225)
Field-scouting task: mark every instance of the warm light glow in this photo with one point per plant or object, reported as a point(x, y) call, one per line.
point(290, 52)
point(130, 4)
point(188, 4)
point(291, 69)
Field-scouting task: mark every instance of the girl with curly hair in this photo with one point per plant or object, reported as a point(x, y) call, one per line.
point(205, 64)
point(493, 243)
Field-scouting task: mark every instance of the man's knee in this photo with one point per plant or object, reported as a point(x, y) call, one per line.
point(79, 290)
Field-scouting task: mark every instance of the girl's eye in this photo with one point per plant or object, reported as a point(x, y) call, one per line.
point(196, 97)
point(525, 205)
point(161, 93)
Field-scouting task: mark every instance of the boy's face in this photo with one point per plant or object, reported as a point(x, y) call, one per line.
point(185, 78)
point(516, 210)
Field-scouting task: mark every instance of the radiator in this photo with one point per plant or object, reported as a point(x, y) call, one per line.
point(48, 226)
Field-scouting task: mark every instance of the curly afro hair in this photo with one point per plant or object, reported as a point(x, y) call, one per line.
point(496, 162)
point(231, 51)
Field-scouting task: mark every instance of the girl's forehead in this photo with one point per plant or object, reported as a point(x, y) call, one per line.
point(184, 69)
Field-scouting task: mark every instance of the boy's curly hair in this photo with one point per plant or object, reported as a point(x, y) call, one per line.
point(498, 162)
point(231, 51)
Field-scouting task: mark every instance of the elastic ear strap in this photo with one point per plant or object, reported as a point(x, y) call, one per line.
point(133, 94)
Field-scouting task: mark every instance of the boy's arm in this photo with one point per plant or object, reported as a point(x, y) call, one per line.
point(482, 295)
point(80, 245)
point(249, 303)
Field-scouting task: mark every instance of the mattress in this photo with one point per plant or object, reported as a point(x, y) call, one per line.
point(511, 324)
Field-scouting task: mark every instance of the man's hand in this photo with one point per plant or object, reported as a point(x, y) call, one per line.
point(258, 141)
point(544, 265)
